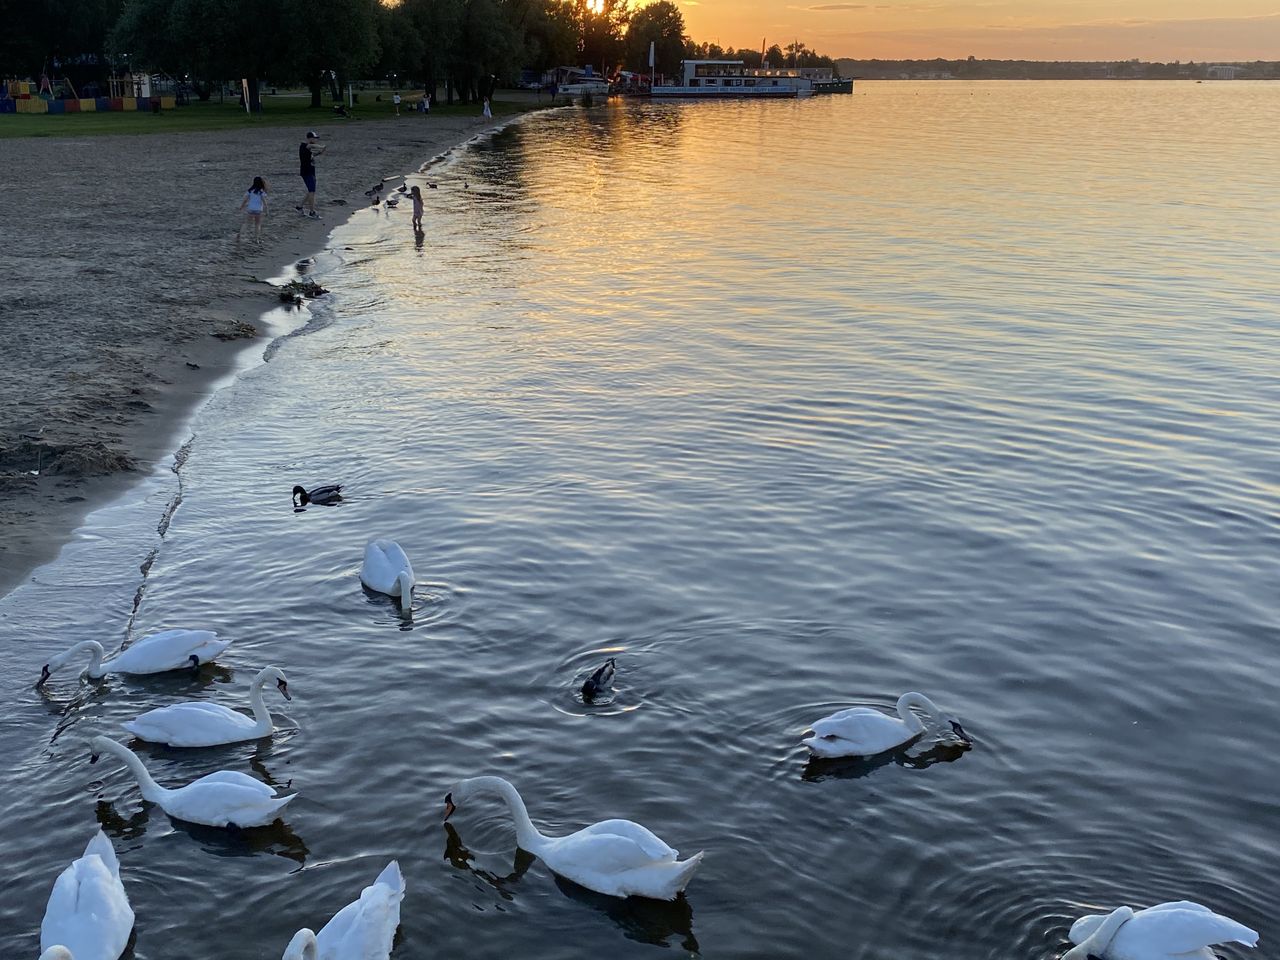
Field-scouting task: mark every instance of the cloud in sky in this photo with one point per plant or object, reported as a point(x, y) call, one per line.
point(838, 6)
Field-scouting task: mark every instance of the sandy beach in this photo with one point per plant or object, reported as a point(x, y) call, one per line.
point(127, 295)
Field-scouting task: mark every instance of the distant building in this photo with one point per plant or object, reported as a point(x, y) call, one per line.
point(1223, 71)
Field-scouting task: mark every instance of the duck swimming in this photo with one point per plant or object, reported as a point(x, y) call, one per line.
point(364, 929)
point(326, 495)
point(167, 650)
point(200, 724)
point(865, 731)
point(88, 916)
point(1180, 930)
point(598, 682)
point(387, 570)
point(226, 798)
point(619, 858)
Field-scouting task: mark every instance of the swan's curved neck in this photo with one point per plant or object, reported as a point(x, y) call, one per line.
point(150, 789)
point(1096, 943)
point(95, 651)
point(406, 587)
point(302, 946)
point(527, 834)
point(922, 703)
point(260, 712)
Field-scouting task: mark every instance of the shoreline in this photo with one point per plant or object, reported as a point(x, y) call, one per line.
point(101, 376)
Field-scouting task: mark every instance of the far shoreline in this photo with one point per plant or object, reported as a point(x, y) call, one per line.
point(138, 368)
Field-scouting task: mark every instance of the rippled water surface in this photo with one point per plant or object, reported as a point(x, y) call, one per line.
point(966, 389)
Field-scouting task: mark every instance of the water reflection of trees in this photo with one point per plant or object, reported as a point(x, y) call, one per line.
point(639, 918)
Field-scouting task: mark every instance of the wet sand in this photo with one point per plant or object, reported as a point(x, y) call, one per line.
point(127, 296)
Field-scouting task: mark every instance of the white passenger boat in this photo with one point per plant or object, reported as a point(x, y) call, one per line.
point(733, 79)
point(577, 82)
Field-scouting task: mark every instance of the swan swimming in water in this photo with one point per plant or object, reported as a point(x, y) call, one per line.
point(387, 570)
point(199, 724)
point(865, 731)
point(88, 916)
point(598, 682)
point(222, 799)
point(326, 495)
point(614, 857)
point(1180, 930)
point(160, 652)
point(362, 930)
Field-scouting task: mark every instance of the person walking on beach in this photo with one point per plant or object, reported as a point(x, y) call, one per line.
point(488, 114)
point(395, 102)
point(308, 150)
point(416, 193)
point(255, 200)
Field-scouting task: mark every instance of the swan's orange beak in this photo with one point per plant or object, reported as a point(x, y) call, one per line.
point(448, 806)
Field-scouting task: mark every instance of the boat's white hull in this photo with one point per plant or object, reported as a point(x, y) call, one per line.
point(580, 89)
point(730, 93)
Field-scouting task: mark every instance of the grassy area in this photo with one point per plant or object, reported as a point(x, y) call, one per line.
point(282, 110)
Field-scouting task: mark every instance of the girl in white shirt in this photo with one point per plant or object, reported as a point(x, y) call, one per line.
point(255, 199)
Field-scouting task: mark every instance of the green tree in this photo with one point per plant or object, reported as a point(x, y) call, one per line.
point(551, 38)
point(602, 26)
point(661, 24)
point(337, 39)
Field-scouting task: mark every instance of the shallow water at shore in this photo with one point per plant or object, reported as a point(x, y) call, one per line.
point(960, 388)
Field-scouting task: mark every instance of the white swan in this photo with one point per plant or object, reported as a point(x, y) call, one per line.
point(865, 731)
point(221, 799)
point(387, 570)
point(362, 930)
point(168, 650)
point(1180, 930)
point(614, 857)
point(88, 916)
point(198, 724)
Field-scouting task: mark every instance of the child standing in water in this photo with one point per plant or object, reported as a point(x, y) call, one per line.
point(255, 199)
point(416, 193)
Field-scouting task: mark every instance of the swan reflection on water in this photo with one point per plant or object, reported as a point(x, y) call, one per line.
point(277, 838)
point(639, 918)
point(403, 612)
point(817, 769)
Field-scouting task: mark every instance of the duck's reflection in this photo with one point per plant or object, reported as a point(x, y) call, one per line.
point(639, 918)
point(403, 612)
point(122, 828)
point(818, 769)
point(276, 838)
point(460, 857)
point(227, 755)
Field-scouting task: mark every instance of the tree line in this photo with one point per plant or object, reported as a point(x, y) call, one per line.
point(464, 46)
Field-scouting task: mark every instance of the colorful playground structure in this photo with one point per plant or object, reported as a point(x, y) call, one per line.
point(22, 96)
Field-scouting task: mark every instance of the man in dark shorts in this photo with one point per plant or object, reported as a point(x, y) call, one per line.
point(308, 150)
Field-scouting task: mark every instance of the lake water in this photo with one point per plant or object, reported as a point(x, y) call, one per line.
point(962, 388)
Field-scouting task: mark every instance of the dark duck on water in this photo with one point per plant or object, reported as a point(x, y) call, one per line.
point(598, 682)
point(326, 495)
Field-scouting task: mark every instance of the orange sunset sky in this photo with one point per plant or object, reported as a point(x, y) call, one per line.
point(1161, 30)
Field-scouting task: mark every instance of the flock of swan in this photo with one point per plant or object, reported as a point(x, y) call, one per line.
point(88, 916)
